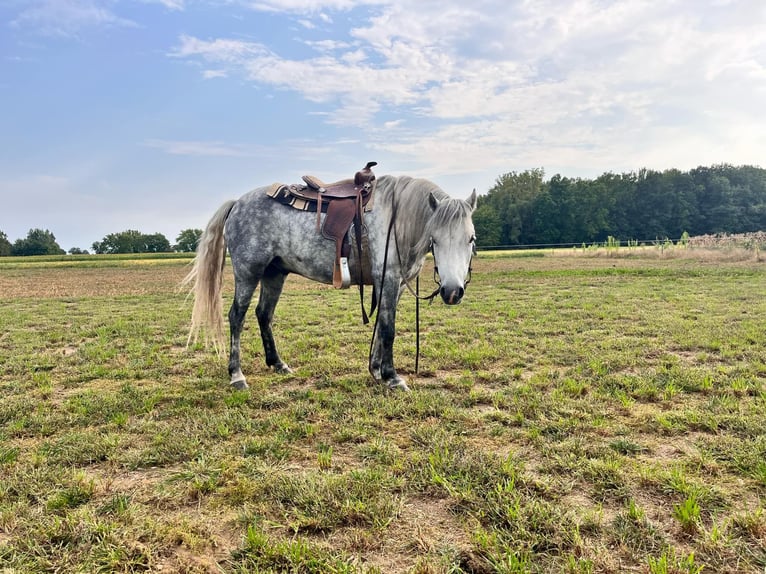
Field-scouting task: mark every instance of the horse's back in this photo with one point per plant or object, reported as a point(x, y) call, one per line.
point(261, 232)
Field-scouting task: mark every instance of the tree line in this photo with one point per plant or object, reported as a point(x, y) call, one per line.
point(523, 208)
point(132, 241)
point(43, 242)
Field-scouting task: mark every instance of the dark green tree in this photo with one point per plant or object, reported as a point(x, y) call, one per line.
point(132, 241)
point(489, 228)
point(5, 245)
point(129, 241)
point(551, 222)
point(642, 205)
point(684, 215)
point(156, 243)
point(37, 242)
point(512, 197)
point(544, 224)
point(591, 212)
point(188, 240)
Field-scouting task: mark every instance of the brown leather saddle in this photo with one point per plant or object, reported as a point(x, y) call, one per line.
point(343, 202)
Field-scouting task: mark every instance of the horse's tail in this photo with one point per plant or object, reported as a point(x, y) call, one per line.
point(205, 278)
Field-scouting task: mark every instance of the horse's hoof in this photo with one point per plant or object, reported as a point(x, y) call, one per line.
point(282, 369)
point(240, 384)
point(397, 384)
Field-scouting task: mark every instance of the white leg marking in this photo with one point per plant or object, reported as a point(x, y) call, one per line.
point(238, 380)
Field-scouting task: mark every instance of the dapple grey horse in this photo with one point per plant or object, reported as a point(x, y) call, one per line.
point(267, 241)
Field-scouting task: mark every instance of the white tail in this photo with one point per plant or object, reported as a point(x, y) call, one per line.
point(206, 278)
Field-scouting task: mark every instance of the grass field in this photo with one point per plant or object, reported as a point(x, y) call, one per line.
point(579, 412)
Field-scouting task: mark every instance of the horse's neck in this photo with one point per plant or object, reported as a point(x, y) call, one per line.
point(411, 217)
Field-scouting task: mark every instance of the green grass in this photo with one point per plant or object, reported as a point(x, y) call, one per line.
point(91, 260)
point(577, 413)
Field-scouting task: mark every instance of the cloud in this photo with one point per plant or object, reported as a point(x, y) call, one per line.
point(221, 50)
point(199, 148)
point(490, 84)
point(327, 45)
point(67, 18)
point(305, 6)
point(169, 4)
point(341, 74)
point(210, 74)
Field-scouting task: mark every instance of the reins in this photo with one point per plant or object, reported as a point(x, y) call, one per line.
point(418, 297)
point(416, 292)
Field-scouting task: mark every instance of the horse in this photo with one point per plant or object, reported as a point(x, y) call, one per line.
point(267, 240)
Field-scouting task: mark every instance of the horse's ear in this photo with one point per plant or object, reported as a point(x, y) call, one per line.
point(433, 201)
point(472, 200)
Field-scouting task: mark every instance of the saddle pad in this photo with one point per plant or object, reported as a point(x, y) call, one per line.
point(283, 194)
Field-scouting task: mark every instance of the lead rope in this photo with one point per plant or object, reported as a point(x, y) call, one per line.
point(429, 298)
point(382, 280)
point(417, 323)
point(416, 293)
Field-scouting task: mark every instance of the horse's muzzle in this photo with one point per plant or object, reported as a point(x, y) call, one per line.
point(452, 295)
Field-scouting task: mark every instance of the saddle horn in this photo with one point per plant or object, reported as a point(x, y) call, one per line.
point(365, 174)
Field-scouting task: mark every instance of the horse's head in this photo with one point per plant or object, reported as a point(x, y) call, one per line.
point(453, 244)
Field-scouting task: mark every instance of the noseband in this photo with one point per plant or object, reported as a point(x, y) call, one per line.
point(437, 277)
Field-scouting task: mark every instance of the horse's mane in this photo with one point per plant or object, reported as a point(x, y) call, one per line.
point(415, 217)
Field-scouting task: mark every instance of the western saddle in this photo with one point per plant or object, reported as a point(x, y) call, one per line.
point(344, 203)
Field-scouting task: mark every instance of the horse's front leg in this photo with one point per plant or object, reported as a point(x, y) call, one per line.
point(382, 355)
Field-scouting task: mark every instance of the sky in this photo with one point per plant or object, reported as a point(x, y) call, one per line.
point(148, 114)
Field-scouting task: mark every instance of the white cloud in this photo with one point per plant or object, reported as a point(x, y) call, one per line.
point(210, 74)
point(496, 83)
point(169, 4)
point(68, 18)
point(586, 83)
point(199, 148)
point(224, 51)
point(327, 45)
point(304, 6)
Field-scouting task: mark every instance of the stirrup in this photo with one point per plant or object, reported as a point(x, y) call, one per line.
point(345, 274)
point(341, 276)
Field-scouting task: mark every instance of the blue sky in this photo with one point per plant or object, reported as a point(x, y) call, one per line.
point(147, 114)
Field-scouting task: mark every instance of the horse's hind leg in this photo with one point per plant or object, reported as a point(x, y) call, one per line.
point(271, 289)
point(243, 294)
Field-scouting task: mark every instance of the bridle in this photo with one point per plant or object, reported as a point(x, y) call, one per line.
point(416, 293)
point(429, 298)
point(437, 278)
